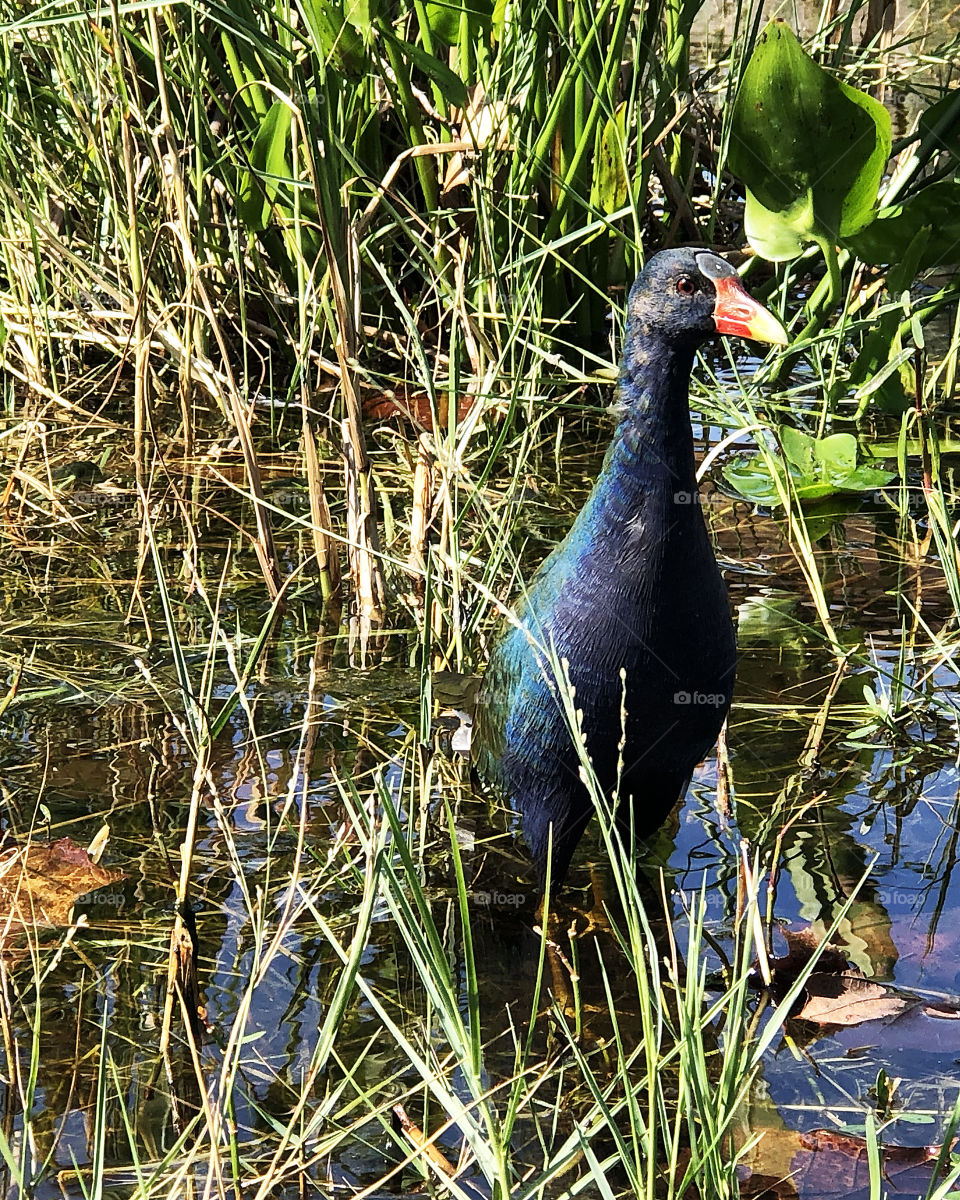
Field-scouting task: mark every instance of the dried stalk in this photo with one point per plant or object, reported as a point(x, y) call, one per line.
point(328, 560)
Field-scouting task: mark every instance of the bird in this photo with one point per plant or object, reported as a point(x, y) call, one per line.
point(632, 602)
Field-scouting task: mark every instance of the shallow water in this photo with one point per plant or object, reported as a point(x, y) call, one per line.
point(88, 741)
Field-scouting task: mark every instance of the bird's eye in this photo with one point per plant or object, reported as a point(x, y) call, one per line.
point(685, 286)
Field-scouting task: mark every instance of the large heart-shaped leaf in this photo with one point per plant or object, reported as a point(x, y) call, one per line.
point(891, 235)
point(810, 149)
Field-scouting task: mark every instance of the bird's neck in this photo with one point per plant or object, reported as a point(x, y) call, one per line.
point(653, 443)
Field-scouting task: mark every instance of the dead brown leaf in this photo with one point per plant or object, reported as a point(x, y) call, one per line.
point(847, 999)
point(802, 944)
point(821, 1164)
point(414, 407)
point(837, 992)
point(39, 884)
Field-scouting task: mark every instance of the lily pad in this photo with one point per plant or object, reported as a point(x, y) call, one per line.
point(817, 468)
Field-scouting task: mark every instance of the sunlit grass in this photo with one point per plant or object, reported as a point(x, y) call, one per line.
point(185, 303)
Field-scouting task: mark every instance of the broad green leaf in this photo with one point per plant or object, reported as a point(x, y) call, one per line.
point(361, 14)
point(332, 35)
point(941, 123)
point(904, 271)
point(451, 86)
point(779, 236)
point(810, 149)
point(836, 457)
point(444, 16)
point(611, 185)
point(798, 449)
point(865, 479)
point(818, 467)
point(269, 164)
point(874, 375)
point(889, 238)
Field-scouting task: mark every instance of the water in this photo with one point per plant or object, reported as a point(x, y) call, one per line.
point(89, 740)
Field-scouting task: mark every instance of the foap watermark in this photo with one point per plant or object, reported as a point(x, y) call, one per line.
point(692, 498)
point(698, 699)
point(499, 899)
point(109, 899)
point(898, 898)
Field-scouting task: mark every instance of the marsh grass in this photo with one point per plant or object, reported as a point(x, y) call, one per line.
point(223, 232)
point(657, 1120)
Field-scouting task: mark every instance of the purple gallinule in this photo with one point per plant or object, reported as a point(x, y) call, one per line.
point(632, 599)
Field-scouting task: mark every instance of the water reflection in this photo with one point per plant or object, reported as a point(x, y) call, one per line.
point(814, 782)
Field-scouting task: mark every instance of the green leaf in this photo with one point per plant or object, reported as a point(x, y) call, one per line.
point(941, 123)
point(611, 185)
point(779, 236)
point(750, 479)
point(443, 17)
point(269, 165)
point(888, 239)
point(361, 14)
point(333, 37)
point(810, 150)
point(817, 467)
point(797, 449)
point(836, 457)
point(451, 86)
point(769, 618)
point(865, 479)
point(904, 271)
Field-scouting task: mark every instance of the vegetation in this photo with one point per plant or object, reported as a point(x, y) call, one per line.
point(301, 306)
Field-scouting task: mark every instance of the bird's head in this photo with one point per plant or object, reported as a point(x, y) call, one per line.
point(685, 296)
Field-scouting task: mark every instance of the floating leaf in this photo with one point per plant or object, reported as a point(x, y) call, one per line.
point(836, 992)
point(810, 149)
point(817, 467)
point(39, 884)
point(824, 1164)
point(847, 999)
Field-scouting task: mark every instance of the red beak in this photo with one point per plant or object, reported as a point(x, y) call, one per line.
point(737, 312)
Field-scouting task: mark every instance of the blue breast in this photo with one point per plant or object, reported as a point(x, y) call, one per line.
point(633, 602)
